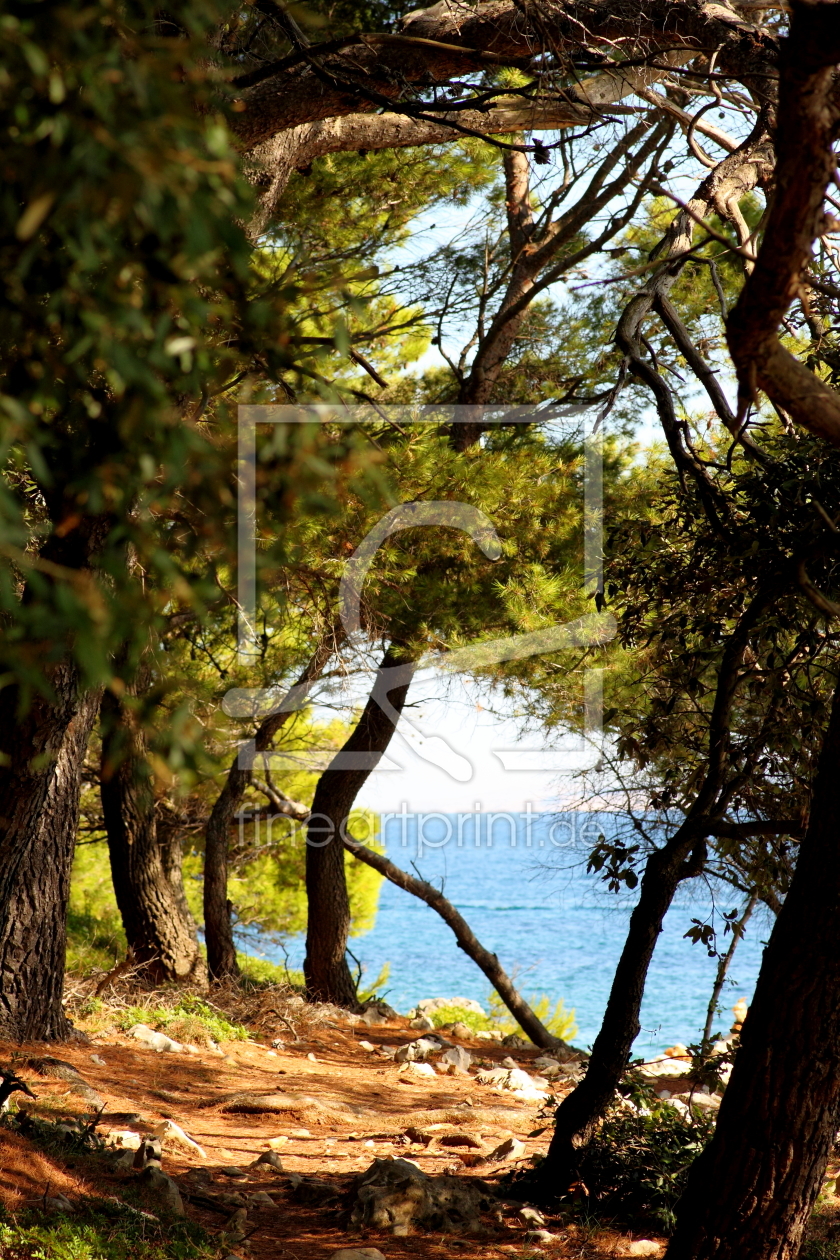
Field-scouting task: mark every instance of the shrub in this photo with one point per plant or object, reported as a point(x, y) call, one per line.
point(460, 1015)
point(559, 1022)
point(635, 1167)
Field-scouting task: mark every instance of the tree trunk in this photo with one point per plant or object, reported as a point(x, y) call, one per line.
point(328, 977)
point(752, 1191)
point(584, 1106)
point(724, 964)
point(528, 1021)
point(39, 809)
point(160, 931)
point(218, 929)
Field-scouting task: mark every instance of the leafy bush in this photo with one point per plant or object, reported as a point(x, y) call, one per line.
point(259, 971)
point(461, 1015)
point(635, 1167)
point(559, 1022)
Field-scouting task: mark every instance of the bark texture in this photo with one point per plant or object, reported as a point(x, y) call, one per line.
point(328, 977)
point(809, 113)
point(159, 928)
point(218, 929)
point(436, 45)
point(39, 809)
point(751, 1193)
point(682, 857)
point(466, 939)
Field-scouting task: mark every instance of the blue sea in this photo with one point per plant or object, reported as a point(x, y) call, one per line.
point(522, 886)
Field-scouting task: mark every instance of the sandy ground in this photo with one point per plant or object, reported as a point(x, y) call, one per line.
point(337, 1111)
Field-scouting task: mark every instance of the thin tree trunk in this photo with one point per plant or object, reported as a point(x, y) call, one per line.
point(723, 968)
point(752, 1191)
point(682, 857)
point(218, 929)
point(39, 808)
point(582, 1108)
point(161, 936)
point(466, 939)
point(328, 977)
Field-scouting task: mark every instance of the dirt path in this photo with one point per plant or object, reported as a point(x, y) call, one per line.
point(338, 1106)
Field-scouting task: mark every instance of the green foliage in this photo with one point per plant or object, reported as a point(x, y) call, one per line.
point(560, 1022)
point(190, 1015)
point(261, 972)
point(102, 1230)
point(371, 991)
point(461, 1015)
point(636, 1165)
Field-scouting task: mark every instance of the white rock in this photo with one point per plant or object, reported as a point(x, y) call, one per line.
point(456, 1059)
point(155, 1040)
point(541, 1236)
point(665, 1067)
point(643, 1247)
point(311, 1057)
point(514, 1081)
point(422, 1023)
point(358, 1253)
point(531, 1216)
point(173, 1132)
point(419, 1069)
point(98, 1060)
point(429, 1005)
point(126, 1139)
point(545, 1063)
point(367, 1045)
point(512, 1148)
point(417, 1050)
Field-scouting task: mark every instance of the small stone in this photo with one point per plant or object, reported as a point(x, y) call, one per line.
point(515, 1041)
point(420, 1069)
point(165, 1190)
point(299, 1133)
point(545, 1063)
point(311, 1057)
point(643, 1247)
point(510, 1064)
point(236, 1228)
point(357, 1253)
point(261, 1199)
point(367, 1045)
point(512, 1148)
point(427, 1006)
point(269, 1159)
point(58, 1203)
point(126, 1139)
point(462, 1031)
point(457, 1059)
point(423, 1023)
point(98, 1060)
point(167, 1129)
point(531, 1216)
point(155, 1040)
point(541, 1236)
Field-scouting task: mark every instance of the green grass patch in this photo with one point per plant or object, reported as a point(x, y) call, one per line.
point(191, 1018)
point(102, 1230)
